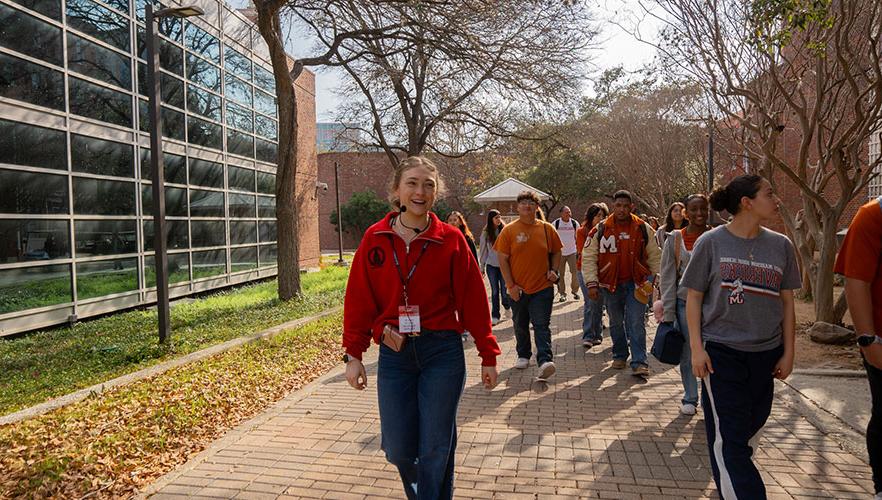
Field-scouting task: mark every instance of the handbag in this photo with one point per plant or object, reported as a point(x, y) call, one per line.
point(392, 338)
point(667, 346)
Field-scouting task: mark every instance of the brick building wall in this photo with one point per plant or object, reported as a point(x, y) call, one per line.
point(307, 171)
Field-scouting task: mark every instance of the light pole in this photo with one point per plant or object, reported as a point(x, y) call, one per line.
point(153, 93)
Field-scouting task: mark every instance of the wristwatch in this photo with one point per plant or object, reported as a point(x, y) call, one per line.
point(347, 358)
point(868, 340)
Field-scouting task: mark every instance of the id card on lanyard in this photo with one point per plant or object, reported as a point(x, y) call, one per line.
point(408, 315)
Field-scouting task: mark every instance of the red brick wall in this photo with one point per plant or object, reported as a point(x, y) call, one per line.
point(307, 171)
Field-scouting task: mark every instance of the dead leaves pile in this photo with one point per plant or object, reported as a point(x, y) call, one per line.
point(115, 444)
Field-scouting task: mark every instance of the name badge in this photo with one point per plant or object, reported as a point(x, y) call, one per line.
point(409, 319)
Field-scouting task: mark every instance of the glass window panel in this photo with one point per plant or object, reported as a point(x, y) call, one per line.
point(99, 103)
point(269, 255)
point(203, 72)
point(266, 206)
point(240, 144)
point(206, 203)
point(209, 263)
point(172, 121)
point(241, 178)
point(172, 27)
point(204, 133)
point(267, 231)
point(172, 90)
point(23, 240)
point(239, 117)
point(102, 197)
point(237, 64)
point(267, 151)
point(107, 277)
point(177, 234)
point(29, 82)
point(241, 205)
point(98, 62)
point(33, 287)
point(97, 156)
point(49, 8)
point(267, 127)
point(208, 233)
point(32, 193)
point(237, 90)
point(264, 79)
point(120, 5)
point(203, 43)
point(27, 34)
point(32, 146)
point(178, 269)
point(243, 258)
point(265, 103)
point(206, 173)
point(99, 22)
point(175, 167)
point(171, 58)
point(266, 183)
point(175, 201)
point(242, 232)
point(204, 103)
point(105, 237)
point(236, 29)
point(140, 9)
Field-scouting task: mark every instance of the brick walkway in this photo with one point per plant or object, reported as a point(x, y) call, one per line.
point(594, 433)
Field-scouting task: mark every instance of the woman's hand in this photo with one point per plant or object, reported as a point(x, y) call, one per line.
point(701, 363)
point(784, 366)
point(488, 376)
point(356, 375)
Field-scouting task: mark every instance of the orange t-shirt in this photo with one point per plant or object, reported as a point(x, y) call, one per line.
point(861, 254)
point(689, 238)
point(528, 248)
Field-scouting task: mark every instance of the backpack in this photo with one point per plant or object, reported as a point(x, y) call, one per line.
point(557, 223)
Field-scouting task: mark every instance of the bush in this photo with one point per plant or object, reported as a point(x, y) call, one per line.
point(360, 212)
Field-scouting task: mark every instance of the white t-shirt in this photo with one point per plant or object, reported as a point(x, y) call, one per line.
point(567, 232)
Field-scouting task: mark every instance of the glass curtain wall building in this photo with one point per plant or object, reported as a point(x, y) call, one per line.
point(76, 230)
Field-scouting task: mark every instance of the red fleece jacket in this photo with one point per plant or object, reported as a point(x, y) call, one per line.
point(446, 285)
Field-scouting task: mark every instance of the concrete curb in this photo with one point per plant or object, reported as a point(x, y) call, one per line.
point(831, 373)
point(237, 432)
point(62, 401)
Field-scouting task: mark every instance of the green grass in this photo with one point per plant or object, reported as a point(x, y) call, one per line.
point(54, 362)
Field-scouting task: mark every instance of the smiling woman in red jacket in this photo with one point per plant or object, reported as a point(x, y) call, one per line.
point(414, 287)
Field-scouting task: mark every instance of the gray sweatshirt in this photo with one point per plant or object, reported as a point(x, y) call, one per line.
point(486, 255)
point(669, 276)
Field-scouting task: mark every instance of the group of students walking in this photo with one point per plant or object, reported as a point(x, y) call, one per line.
point(416, 286)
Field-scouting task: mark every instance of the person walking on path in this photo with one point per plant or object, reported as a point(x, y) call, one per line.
point(622, 260)
point(592, 310)
point(529, 256)
point(457, 220)
point(676, 219)
point(488, 261)
point(860, 261)
point(566, 227)
point(741, 319)
point(413, 288)
point(675, 258)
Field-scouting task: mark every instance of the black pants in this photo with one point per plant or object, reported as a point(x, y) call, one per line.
point(874, 428)
point(737, 401)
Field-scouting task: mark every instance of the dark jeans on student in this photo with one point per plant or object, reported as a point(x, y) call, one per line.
point(737, 400)
point(874, 428)
point(627, 323)
point(418, 391)
point(533, 308)
point(592, 314)
point(497, 290)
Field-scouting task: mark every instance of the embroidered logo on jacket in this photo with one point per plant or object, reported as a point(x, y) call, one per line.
point(608, 244)
point(376, 257)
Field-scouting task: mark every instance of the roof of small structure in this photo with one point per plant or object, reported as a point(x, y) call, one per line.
point(507, 190)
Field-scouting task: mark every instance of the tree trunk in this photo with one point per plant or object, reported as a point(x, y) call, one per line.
point(823, 285)
point(287, 199)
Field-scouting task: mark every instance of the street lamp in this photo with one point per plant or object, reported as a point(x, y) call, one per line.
point(159, 228)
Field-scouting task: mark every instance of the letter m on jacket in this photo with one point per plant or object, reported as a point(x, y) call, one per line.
point(608, 244)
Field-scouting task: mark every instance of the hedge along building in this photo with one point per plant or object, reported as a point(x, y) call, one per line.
point(76, 230)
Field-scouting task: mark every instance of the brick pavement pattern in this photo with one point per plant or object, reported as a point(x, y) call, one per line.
point(593, 432)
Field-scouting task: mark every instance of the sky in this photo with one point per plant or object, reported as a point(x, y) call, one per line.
point(617, 47)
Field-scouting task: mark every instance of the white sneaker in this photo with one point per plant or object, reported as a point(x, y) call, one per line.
point(522, 363)
point(688, 409)
point(562, 298)
point(546, 370)
point(495, 321)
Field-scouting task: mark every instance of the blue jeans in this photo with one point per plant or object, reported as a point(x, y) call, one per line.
point(592, 314)
point(418, 390)
point(690, 383)
point(497, 290)
point(533, 308)
point(627, 323)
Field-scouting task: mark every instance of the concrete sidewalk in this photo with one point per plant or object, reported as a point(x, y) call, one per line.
point(594, 433)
